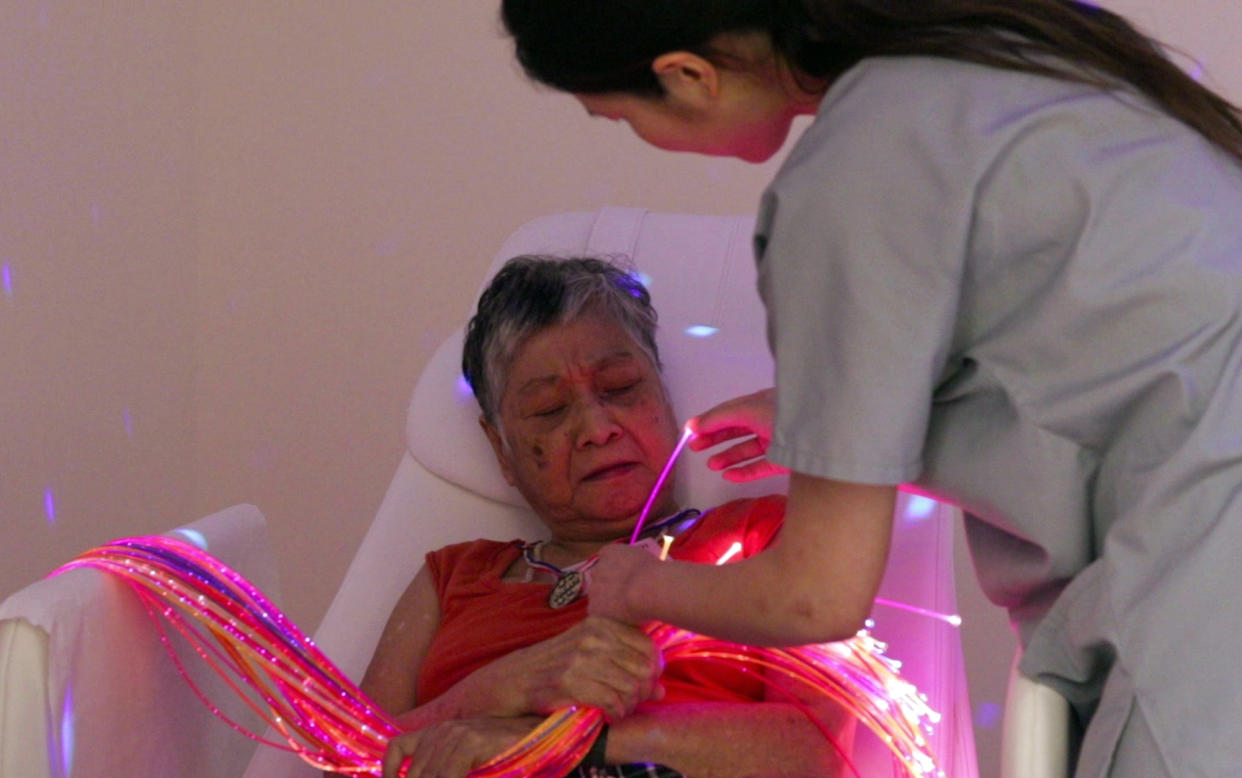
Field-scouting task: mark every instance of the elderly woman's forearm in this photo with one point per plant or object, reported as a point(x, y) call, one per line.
point(727, 740)
point(479, 694)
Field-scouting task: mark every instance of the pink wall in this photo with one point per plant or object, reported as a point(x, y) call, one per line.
point(97, 253)
point(231, 234)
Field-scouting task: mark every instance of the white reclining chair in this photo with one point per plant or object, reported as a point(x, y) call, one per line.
point(447, 487)
point(87, 691)
point(86, 686)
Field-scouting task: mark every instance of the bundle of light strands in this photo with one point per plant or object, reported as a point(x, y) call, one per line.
point(332, 725)
point(264, 657)
point(854, 674)
point(280, 674)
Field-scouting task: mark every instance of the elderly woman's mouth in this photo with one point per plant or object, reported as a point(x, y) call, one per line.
point(609, 472)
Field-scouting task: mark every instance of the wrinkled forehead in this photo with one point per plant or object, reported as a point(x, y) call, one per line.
point(579, 348)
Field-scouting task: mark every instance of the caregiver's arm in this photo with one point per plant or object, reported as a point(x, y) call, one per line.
point(815, 583)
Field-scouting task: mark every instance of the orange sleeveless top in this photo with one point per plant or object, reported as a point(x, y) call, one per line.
point(483, 617)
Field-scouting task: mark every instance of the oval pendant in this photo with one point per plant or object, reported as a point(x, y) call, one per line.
point(567, 589)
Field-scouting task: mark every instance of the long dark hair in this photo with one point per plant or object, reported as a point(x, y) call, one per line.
point(599, 46)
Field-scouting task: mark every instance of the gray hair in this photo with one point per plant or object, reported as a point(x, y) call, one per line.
point(533, 292)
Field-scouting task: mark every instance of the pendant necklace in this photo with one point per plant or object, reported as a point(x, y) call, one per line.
point(571, 580)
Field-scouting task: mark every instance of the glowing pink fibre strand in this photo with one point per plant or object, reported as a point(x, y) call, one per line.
point(686, 434)
point(947, 618)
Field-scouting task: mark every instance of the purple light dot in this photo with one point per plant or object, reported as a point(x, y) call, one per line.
point(128, 419)
point(49, 505)
point(6, 277)
point(701, 331)
point(66, 732)
point(987, 715)
point(463, 387)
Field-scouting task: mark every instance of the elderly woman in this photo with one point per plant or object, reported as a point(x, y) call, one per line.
point(490, 636)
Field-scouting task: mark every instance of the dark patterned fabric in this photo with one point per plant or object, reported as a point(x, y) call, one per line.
point(626, 771)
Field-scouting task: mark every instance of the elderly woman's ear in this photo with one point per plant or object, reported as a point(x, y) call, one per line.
point(499, 449)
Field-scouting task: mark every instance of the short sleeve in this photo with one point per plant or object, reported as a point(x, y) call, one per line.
point(752, 522)
point(861, 241)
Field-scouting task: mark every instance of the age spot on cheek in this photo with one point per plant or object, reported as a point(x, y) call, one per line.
point(536, 455)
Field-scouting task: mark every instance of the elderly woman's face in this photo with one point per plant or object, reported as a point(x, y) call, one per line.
point(587, 428)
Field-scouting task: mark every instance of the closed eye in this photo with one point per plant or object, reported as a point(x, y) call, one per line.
point(621, 391)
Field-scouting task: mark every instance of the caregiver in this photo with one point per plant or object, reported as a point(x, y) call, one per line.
point(1004, 263)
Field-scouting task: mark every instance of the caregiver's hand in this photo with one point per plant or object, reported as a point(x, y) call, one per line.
point(451, 749)
point(749, 418)
point(598, 661)
point(610, 580)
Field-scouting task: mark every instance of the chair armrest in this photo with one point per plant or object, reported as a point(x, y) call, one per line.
point(87, 688)
point(23, 668)
point(1035, 741)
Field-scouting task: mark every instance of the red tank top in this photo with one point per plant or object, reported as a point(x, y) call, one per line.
point(483, 617)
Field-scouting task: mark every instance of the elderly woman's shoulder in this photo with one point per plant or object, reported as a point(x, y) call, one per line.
point(473, 557)
point(751, 522)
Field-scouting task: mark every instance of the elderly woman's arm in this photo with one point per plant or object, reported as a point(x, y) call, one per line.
point(767, 739)
point(597, 662)
point(705, 740)
point(700, 739)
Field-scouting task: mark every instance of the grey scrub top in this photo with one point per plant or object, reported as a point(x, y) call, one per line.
point(1025, 295)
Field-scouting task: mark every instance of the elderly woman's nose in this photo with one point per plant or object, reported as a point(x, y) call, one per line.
point(596, 423)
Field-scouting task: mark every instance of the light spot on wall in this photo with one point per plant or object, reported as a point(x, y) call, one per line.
point(128, 420)
point(643, 279)
point(6, 279)
point(987, 715)
point(463, 387)
point(388, 247)
point(66, 733)
point(701, 331)
point(264, 457)
point(49, 505)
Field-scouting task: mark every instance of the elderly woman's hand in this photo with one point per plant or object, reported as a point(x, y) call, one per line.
point(451, 749)
point(600, 662)
point(748, 417)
